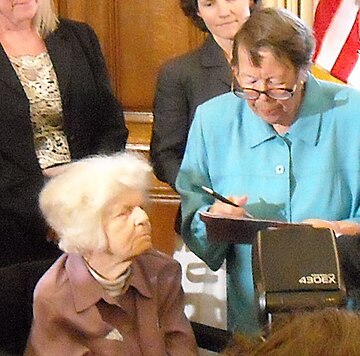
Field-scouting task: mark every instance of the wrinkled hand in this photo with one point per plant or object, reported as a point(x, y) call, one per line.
point(339, 227)
point(221, 208)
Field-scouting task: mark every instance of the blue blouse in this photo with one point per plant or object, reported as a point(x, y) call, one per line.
point(313, 171)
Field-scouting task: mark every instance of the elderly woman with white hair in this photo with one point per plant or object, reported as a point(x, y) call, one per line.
point(110, 293)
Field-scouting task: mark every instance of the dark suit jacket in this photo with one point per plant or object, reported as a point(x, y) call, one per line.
point(183, 84)
point(93, 122)
point(16, 300)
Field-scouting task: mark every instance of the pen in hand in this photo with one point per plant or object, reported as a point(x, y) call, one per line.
point(223, 199)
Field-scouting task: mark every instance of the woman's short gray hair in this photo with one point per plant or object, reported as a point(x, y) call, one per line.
point(73, 202)
point(45, 20)
point(277, 30)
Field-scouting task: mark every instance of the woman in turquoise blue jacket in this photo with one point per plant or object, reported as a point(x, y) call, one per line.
point(286, 146)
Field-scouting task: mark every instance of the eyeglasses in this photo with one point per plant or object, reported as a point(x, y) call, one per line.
point(273, 93)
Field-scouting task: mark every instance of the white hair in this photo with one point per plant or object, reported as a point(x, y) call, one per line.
point(45, 20)
point(73, 202)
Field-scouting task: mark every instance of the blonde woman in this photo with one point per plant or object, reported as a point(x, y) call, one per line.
point(56, 105)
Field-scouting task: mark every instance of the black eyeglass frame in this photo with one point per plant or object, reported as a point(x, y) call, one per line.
point(239, 92)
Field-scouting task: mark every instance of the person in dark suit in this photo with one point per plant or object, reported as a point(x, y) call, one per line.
point(191, 79)
point(56, 106)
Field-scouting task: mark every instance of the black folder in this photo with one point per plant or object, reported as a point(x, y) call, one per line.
point(238, 230)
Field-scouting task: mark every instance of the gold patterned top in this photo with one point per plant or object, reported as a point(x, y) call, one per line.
point(38, 78)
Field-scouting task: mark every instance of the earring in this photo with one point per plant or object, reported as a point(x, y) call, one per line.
point(302, 83)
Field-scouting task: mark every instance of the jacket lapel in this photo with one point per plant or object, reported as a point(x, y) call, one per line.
point(149, 326)
point(212, 56)
point(60, 53)
point(61, 56)
point(148, 313)
point(8, 74)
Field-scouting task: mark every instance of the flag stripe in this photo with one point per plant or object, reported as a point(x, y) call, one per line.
point(348, 56)
point(325, 11)
point(337, 34)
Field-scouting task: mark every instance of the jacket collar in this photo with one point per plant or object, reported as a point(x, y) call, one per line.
point(61, 56)
point(212, 56)
point(87, 291)
point(60, 53)
point(306, 128)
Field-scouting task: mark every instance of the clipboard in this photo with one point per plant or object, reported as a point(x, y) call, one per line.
point(232, 229)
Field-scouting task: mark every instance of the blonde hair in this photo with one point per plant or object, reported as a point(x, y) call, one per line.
point(46, 20)
point(73, 202)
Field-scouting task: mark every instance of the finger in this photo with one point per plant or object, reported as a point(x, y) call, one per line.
point(240, 200)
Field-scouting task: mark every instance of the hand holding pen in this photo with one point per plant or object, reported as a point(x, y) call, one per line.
point(226, 200)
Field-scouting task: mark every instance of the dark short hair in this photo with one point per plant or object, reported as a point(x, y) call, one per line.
point(190, 9)
point(279, 31)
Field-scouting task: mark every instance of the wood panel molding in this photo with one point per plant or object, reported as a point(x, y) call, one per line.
point(140, 127)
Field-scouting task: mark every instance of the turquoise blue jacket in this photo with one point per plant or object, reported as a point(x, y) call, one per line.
point(313, 171)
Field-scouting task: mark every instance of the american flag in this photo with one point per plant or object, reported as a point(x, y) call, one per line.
point(336, 29)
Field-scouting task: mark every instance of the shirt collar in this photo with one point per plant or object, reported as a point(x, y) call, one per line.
point(306, 128)
point(308, 124)
point(87, 291)
point(138, 278)
point(259, 130)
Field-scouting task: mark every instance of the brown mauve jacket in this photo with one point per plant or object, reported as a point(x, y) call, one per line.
point(73, 315)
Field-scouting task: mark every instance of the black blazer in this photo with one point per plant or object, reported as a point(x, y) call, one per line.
point(183, 84)
point(16, 299)
point(93, 122)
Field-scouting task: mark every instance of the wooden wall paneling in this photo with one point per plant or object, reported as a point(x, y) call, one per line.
point(162, 209)
point(162, 214)
point(147, 34)
point(100, 14)
point(137, 37)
